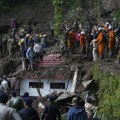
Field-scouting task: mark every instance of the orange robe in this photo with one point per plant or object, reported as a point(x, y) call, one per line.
point(71, 41)
point(82, 40)
point(101, 44)
point(111, 43)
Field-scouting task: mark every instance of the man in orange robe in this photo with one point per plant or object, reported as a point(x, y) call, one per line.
point(83, 42)
point(71, 41)
point(111, 44)
point(101, 43)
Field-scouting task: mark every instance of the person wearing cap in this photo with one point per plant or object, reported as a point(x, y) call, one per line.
point(7, 113)
point(71, 41)
point(36, 39)
point(51, 110)
point(111, 43)
point(23, 51)
point(30, 41)
point(29, 113)
point(43, 41)
point(101, 43)
point(26, 39)
point(77, 112)
point(83, 42)
point(106, 26)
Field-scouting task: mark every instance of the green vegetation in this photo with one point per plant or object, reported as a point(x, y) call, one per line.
point(4, 7)
point(109, 96)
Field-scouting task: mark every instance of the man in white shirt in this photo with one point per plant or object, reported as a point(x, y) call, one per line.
point(94, 51)
point(4, 85)
point(38, 50)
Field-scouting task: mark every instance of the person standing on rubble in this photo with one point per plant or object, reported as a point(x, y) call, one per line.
point(77, 112)
point(51, 111)
point(30, 57)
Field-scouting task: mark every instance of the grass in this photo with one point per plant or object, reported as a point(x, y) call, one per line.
point(109, 97)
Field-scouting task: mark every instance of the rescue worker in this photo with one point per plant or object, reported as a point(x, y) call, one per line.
point(23, 51)
point(83, 42)
point(30, 41)
point(7, 113)
point(77, 112)
point(30, 57)
point(38, 50)
point(100, 42)
point(51, 111)
point(29, 113)
point(26, 39)
point(43, 41)
point(94, 51)
point(106, 26)
point(17, 104)
point(111, 44)
point(71, 41)
point(36, 39)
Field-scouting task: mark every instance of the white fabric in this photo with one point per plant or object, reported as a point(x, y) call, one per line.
point(4, 84)
point(94, 51)
point(37, 48)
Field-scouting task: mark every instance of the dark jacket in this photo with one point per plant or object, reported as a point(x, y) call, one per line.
point(51, 112)
point(29, 114)
point(76, 113)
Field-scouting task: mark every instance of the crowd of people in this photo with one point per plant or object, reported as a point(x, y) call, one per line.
point(101, 41)
point(23, 44)
point(14, 107)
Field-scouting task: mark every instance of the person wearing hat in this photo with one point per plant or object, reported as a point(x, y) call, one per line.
point(106, 26)
point(43, 41)
point(77, 112)
point(23, 51)
point(51, 110)
point(29, 113)
point(111, 43)
point(7, 113)
point(83, 42)
point(101, 43)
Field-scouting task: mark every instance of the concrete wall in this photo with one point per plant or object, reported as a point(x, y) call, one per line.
point(24, 87)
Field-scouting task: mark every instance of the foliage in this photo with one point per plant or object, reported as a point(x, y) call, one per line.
point(117, 15)
point(60, 7)
point(3, 6)
point(109, 96)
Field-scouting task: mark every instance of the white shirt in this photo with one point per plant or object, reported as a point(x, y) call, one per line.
point(37, 48)
point(93, 43)
point(4, 84)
